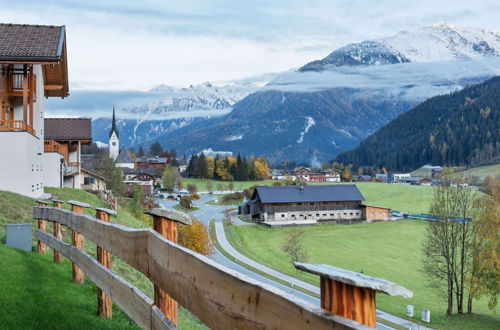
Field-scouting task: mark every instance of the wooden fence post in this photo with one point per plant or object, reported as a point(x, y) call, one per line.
point(104, 303)
point(350, 294)
point(57, 231)
point(42, 226)
point(77, 241)
point(165, 222)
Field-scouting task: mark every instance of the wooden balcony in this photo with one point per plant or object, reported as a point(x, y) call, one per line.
point(52, 146)
point(19, 80)
point(71, 168)
point(16, 126)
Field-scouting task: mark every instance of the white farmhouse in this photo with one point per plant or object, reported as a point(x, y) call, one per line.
point(33, 66)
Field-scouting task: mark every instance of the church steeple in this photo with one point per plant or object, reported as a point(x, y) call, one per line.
point(113, 125)
point(114, 143)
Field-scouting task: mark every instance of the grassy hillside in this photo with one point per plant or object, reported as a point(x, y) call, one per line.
point(15, 208)
point(482, 171)
point(38, 294)
point(389, 250)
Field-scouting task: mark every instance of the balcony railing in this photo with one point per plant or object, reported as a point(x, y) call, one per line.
point(15, 125)
point(71, 168)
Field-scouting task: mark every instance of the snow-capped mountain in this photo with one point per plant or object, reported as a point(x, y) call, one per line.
point(165, 108)
point(330, 105)
point(433, 43)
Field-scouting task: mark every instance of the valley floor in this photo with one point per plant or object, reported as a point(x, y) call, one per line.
point(389, 250)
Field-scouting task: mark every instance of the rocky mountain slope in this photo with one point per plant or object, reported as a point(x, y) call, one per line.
point(165, 109)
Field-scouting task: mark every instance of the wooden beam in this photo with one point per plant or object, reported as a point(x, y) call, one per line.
point(53, 87)
point(77, 241)
point(42, 225)
point(220, 297)
point(104, 304)
point(131, 300)
point(31, 94)
point(57, 232)
point(25, 93)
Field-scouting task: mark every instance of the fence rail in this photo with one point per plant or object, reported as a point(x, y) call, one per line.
point(221, 298)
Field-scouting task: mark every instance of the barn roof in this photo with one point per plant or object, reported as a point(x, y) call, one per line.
point(319, 193)
point(68, 129)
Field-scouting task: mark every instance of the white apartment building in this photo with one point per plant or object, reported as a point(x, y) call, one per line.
point(33, 66)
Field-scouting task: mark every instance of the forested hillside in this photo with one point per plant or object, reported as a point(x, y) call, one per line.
point(461, 128)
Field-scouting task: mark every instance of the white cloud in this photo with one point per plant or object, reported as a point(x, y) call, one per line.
point(412, 81)
point(119, 45)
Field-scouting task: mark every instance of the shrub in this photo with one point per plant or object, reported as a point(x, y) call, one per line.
point(195, 237)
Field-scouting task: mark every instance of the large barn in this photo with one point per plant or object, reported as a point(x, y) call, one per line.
point(310, 204)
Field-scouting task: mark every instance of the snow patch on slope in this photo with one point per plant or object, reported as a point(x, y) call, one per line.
point(309, 123)
point(234, 137)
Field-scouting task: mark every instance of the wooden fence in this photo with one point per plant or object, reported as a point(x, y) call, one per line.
point(220, 297)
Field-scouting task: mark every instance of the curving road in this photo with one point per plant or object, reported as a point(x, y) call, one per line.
point(215, 212)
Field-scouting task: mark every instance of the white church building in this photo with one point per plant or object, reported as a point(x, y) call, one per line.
point(114, 143)
point(33, 66)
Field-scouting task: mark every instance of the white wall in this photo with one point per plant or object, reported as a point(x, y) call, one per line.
point(125, 165)
point(319, 215)
point(21, 164)
point(114, 150)
point(52, 169)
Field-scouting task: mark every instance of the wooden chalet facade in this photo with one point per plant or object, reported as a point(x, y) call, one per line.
point(67, 135)
point(306, 174)
point(310, 204)
point(33, 66)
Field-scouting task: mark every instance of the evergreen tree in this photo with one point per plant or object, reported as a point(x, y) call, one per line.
point(201, 167)
point(191, 169)
point(156, 148)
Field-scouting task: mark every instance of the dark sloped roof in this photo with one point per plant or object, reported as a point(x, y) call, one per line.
point(66, 129)
point(124, 157)
point(137, 171)
point(31, 43)
point(320, 193)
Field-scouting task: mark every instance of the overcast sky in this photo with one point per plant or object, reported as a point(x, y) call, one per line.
point(135, 45)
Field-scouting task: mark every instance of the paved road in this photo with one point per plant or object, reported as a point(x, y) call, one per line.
point(209, 212)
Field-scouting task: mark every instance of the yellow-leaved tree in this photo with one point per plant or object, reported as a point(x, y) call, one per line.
point(195, 237)
point(261, 169)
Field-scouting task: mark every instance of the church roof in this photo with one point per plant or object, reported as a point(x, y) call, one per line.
point(124, 157)
point(113, 125)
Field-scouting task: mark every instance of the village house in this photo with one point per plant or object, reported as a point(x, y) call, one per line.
point(33, 67)
point(310, 204)
point(306, 174)
point(93, 181)
point(124, 160)
point(67, 135)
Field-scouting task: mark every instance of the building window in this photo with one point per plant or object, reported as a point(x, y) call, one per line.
point(88, 180)
point(311, 203)
point(113, 144)
point(282, 215)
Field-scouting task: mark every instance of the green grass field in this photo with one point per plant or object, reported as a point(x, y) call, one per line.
point(406, 198)
point(389, 250)
point(482, 171)
point(15, 208)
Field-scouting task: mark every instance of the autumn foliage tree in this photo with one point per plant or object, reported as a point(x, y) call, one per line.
point(195, 237)
point(261, 169)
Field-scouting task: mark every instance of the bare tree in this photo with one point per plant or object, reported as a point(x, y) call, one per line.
point(293, 246)
point(446, 250)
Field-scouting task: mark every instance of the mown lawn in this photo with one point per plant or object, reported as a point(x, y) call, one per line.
point(389, 250)
point(15, 208)
point(201, 184)
point(36, 293)
point(404, 198)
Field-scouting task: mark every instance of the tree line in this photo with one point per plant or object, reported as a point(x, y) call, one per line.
point(459, 128)
point(228, 169)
